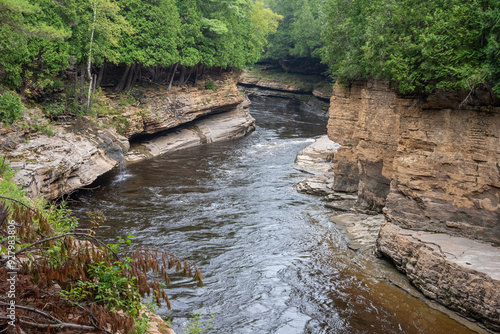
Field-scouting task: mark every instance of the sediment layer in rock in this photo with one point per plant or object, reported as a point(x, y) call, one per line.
point(458, 272)
point(221, 127)
point(52, 166)
point(432, 164)
point(78, 153)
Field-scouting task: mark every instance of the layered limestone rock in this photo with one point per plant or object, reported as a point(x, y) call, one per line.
point(432, 167)
point(313, 92)
point(50, 167)
point(159, 110)
point(432, 164)
point(78, 153)
point(221, 127)
point(363, 119)
point(460, 273)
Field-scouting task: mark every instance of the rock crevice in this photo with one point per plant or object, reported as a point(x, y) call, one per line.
point(431, 165)
point(77, 154)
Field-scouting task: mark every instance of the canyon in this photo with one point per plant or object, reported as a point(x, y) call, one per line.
point(161, 121)
point(426, 167)
point(431, 165)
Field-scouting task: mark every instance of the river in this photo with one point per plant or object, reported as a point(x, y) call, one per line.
point(272, 261)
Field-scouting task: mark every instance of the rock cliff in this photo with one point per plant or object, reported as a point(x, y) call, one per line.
point(432, 165)
point(79, 152)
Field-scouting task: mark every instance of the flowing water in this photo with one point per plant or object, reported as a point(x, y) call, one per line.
point(272, 261)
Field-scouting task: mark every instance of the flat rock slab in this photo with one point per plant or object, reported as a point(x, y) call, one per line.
point(460, 273)
point(319, 185)
point(362, 230)
point(220, 127)
point(318, 157)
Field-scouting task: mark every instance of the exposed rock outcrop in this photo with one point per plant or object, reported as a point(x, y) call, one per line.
point(78, 153)
point(50, 167)
point(159, 110)
point(221, 127)
point(317, 159)
point(312, 91)
point(432, 164)
point(460, 273)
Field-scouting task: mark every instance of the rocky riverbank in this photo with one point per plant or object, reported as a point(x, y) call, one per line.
point(82, 149)
point(312, 91)
point(439, 255)
point(431, 165)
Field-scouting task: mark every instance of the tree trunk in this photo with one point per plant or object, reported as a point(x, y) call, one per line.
point(188, 76)
point(101, 74)
point(122, 82)
point(89, 63)
point(76, 84)
point(172, 78)
point(197, 74)
point(182, 76)
point(95, 84)
point(82, 83)
point(131, 77)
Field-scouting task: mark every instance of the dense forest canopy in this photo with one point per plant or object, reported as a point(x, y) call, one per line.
point(297, 40)
point(149, 39)
point(418, 45)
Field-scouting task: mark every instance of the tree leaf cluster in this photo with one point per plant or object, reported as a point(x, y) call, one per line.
point(66, 279)
point(299, 33)
point(42, 39)
point(418, 45)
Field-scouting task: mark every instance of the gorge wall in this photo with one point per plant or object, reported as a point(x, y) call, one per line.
point(85, 148)
point(432, 165)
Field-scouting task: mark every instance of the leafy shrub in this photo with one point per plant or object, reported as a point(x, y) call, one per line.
point(11, 107)
point(210, 85)
point(198, 325)
point(55, 109)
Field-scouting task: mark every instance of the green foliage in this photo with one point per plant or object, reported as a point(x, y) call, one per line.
point(108, 286)
point(7, 186)
point(11, 107)
point(197, 324)
point(210, 85)
point(420, 46)
point(299, 32)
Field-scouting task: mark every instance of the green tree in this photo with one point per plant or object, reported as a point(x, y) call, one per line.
point(155, 42)
point(420, 46)
point(28, 38)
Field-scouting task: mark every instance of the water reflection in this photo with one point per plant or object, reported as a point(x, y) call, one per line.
point(273, 263)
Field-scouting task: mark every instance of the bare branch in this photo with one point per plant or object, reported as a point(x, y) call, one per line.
point(33, 310)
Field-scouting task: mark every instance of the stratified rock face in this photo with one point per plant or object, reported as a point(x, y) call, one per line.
point(50, 167)
point(434, 164)
point(53, 166)
point(221, 127)
point(458, 272)
point(363, 119)
point(166, 110)
point(447, 171)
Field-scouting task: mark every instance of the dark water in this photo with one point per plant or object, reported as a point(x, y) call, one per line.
point(272, 261)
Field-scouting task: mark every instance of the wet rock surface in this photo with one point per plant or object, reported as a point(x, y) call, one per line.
point(50, 167)
point(80, 151)
point(220, 127)
point(460, 273)
point(431, 164)
point(361, 229)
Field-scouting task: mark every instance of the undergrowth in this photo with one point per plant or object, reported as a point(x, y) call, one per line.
point(66, 278)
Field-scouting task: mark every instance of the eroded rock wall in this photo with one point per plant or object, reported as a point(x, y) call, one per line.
point(364, 120)
point(433, 165)
point(79, 152)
